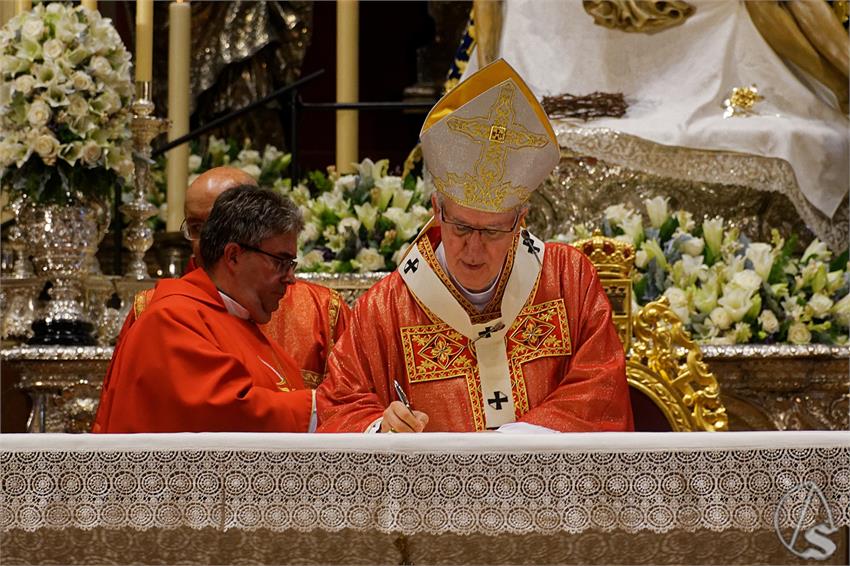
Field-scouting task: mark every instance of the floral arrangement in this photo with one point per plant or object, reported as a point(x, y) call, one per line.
point(65, 90)
point(361, 222)
point(267, 167)
point(728, 289)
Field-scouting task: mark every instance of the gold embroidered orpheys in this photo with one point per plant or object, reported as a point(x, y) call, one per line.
point(334, 305)
point(141, 300)
point(493, 308)
point(539, 331)
point(435, 352)
point(498, 133)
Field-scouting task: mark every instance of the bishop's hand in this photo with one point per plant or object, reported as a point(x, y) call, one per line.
point(398, 418)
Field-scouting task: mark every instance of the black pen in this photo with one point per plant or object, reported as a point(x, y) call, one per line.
point(401, 396)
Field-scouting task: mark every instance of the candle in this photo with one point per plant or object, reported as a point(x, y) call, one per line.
point(23, 6)
point(347, 73)
point(144, 40)
point(90, 4)
point(179, 55)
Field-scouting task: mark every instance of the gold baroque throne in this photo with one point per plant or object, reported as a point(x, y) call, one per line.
point(671, 386)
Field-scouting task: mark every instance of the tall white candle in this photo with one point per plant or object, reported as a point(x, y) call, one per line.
point(179, 56)
point(144, 40)
point(347, 74)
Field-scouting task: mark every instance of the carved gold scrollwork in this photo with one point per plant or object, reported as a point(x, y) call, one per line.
point(666, 365)
point(638, 16)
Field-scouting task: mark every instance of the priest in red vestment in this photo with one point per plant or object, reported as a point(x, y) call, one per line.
point(311, 317)
point(195, 359)
point(483, 326)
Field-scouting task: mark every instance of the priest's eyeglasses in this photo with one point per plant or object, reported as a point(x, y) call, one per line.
point(488, 234)
point(284, 265)
point(191, 230)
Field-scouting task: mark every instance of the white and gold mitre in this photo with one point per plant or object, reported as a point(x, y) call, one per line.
point(488, 143)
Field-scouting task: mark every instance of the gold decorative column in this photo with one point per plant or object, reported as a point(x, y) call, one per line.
point(179, 56)
point(347, 75)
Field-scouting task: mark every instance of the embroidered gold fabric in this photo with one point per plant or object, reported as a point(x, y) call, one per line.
point(638, 16)
point(437, 351)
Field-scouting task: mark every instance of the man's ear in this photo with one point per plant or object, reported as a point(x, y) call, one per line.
point(231, 254)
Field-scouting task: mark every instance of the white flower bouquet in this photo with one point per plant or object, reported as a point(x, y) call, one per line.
point(728, 289)
point(361, 222)
point(65, 91)
point(267, 167)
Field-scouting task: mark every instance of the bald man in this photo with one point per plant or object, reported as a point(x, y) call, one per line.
point(310, 317)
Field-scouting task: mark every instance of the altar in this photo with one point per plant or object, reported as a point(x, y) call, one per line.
point(433, 499)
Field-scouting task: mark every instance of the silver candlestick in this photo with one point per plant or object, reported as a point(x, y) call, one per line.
point(138, 237)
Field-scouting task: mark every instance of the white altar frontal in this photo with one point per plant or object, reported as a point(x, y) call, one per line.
point(601, 498)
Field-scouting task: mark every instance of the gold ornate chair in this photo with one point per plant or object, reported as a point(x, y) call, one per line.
point(671, 387)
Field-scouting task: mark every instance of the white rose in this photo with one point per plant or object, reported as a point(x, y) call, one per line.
point(369, 259)
point(91, 153)
point(39, 113)
point(81, 81)
point(747, 279)
point(679, 303)
point(761, 256)
point(657, 210)
point(47, 147)
point(769, 322)
point(820, 305)
point(312, 260)
point(841, 311)
point(252, 170)
point(712, 231)
point(53, 48)
point(194, 163)
point(720, 318)
point(33, 29)
point(346, 182)
point(799, 334)
point(77, 106)
point(350, 223)
point(736, 302)
point(100, 65)
point(692, 246)
point(248, 156)
point(310, 233)
point(24, 84)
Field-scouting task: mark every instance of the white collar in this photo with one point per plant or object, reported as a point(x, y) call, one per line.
point(234, 308)
point(478, 300)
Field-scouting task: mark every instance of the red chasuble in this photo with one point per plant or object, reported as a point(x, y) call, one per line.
point(310, 319)
point(565, 360)
point(187, 365)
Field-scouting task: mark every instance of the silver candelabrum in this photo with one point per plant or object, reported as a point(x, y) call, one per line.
point(138, 236)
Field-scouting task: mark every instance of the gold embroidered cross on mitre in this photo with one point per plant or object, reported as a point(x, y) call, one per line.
point(488, 144)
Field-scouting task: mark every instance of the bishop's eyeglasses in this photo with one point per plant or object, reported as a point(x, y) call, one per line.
point(488, 234)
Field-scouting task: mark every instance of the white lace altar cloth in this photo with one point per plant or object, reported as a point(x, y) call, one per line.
point(428, 484)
